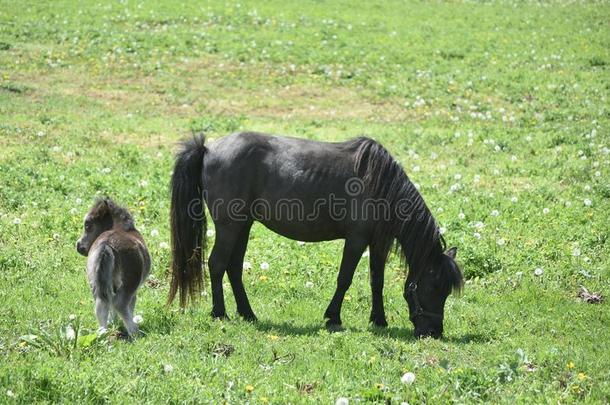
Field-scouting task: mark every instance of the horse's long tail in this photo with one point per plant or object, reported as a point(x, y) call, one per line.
point(188, 222)
point(103, 285)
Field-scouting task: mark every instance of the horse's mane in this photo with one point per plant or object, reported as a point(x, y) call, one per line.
point(105, 206)
point(411, 227)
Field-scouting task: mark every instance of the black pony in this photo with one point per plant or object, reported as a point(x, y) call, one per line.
point(309, 191)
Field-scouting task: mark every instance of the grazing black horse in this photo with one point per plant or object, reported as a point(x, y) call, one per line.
point(309, 191)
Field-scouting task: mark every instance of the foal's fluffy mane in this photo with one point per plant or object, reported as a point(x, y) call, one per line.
point(105, 206)
point(414, 232)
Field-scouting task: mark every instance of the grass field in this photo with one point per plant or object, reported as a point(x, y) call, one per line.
point(498, 110)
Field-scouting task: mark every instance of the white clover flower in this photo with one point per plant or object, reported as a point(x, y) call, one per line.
point(309, 284)
point(138, 319)
point(461, 215)
point(442, 230)
point(477, 235)
point(416, 168)
point(72, 317)
point(458, 176)
point(10, 394)
point(154, 233)
point(210, 232)
point(79, 201)
point(568, 203)
point(501, 242)
point(439, 209)
point(476, 178)
point(264, 266)
point(587, 187)
point(70, 333)
point(587, 202)
point(106, 170)
point(408, 378)
point(514, 199)
point(55, 149)
point(163, 245)
point(342, 401)
point(576, 252)
point(143, 183)
point(479, 225)
point(247, 266)
point(538, 272)
point(495, 213)
point(454, 187)
point(168, 368)
point(40, 133)
point(17, 221)
point(545, 211)
point(300, 243)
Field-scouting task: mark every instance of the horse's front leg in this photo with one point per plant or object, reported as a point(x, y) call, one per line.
point(226, 236)
point(377, 267)
point(352, 252)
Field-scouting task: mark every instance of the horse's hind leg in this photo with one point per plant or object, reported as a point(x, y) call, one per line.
point(123, 306)
point(377, 267)
point(101, 312)
point(352, 251)
point(235, 272)
point(226, 237)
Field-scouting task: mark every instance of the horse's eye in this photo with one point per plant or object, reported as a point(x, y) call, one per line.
point(87, 225)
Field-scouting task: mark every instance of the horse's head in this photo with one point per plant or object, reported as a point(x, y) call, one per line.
point(427, 292)
point(102, 217)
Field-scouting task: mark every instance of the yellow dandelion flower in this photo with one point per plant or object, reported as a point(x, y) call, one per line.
point(249, 388)
point(570, 365)
point(582, 376)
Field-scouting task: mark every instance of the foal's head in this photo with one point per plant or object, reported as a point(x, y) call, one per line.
point(427, 292)
point(103, 216)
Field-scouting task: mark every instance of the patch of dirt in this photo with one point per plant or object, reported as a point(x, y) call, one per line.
point(588, 297)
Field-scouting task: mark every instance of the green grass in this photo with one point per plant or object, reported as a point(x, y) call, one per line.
point(505, 101)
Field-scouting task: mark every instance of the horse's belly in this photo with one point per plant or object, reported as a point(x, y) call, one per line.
point(306, 231)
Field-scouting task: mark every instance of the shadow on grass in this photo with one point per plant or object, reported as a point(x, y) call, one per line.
point(286, 328)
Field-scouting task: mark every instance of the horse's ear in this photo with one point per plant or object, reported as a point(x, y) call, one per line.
point(452, 252)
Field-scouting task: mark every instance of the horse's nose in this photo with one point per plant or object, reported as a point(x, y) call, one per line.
point(80, 248)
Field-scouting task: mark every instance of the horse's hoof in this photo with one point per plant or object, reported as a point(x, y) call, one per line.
point(333, 325)
point(249, 317)
point(379, 322)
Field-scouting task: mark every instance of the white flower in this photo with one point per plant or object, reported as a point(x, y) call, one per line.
point(598, 173)
point(264, 266)
point(247, 266)
point(168, 368)
point(454, 187)
point(442, 230)
point(587, 187)
point(495, 213)
point(163, 245)
point(568, 203)
point(501, 242)
point(545, 211)
point(106, 170)
point(519, 274)
point(477, 235)
point(461, 215)
point(342, 401)
point(40, 133)
point(416, 168)
point(17, 221)
point(514, 199)
point(458, 176)
point(72, 317)
point(576, 252)
point(70, 333)
point(309, 284)
point(587, 202)
point(300, 243)
point(538, 272)
point(79, 201)
point(408, 378)
point(55, 149)
point(143, 183)
point(154, 233)
point(10, 393)
point(476, 178)
point(479, 225)
point(138, 319)
point(210, 232)
point(73, 211)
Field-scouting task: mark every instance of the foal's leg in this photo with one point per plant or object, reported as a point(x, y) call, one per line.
point(377, 267)
point(123, 306)
point(101, 312)
point(226, 236)
point(352, 251)
point(235, 271)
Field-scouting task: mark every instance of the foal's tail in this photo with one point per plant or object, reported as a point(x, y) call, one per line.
point(103, 285)
point(188, 222)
